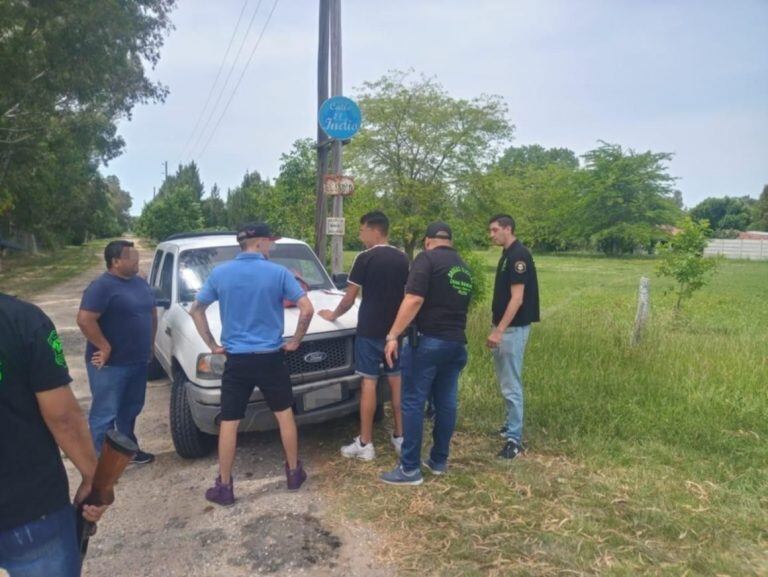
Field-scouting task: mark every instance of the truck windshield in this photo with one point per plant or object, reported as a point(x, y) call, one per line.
point(196, 264)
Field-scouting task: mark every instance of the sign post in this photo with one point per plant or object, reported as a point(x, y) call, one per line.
point(340, 118)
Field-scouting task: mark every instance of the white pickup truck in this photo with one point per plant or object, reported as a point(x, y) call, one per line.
point(325, 385)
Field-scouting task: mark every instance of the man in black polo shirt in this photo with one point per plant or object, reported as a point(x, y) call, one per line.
point(515, 307)
point(38, 415)
point(381, 271)
point(437, 296)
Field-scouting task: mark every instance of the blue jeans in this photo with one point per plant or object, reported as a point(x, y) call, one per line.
point(508, 362)
point(117, 399)
point(42, 548)
point(369, 358)
point(432, 368)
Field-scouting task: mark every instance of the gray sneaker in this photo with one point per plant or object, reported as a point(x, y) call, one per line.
point(436, 468)
point(399, 477)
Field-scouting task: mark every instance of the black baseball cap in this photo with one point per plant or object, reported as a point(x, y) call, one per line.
point(255, 230)
point(439, 230)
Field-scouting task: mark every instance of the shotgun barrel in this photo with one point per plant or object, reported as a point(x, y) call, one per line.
point(116, 453)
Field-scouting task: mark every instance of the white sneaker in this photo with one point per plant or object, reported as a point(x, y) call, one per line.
point(355, 450)
point(397, 443)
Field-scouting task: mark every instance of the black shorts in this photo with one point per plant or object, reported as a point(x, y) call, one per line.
point(242, 373)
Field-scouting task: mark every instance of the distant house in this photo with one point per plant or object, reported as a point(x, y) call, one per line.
point(753, 235)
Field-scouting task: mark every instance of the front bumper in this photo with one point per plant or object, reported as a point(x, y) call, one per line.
point(205, 405)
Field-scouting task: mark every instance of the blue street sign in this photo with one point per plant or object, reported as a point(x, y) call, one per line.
point(339, 117)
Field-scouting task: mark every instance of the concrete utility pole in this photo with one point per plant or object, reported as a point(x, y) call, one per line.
point(337, 241)
point(322, 139)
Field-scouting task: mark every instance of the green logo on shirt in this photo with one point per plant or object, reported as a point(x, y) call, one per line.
point(58, 351)
point(461, 280)
point(1, 370)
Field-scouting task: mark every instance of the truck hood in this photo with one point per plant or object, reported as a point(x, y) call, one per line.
point(321, 299)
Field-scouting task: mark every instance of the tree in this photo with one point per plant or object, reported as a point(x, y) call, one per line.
point(521, 158)
point(623, 198)
point(176, 211)
point(760, 214)
point(187, 176)
point(214, 210)
point(248, 201)
point(69, 71)
point(723, 213)
point(293, 195)
point(419, 147)
point(682, 259)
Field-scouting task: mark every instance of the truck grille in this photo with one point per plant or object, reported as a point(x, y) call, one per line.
point(330, 356)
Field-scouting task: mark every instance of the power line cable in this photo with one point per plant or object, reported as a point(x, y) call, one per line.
point(226, 81)
point(215, 82)
point(239, 80)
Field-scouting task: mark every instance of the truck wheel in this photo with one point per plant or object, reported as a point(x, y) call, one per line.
point(189, 441)
point(155, 370)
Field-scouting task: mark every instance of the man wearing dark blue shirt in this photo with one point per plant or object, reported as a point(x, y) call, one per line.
point(118, 317)
point(251, 291)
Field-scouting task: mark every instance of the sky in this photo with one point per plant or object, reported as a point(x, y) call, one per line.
point(681, 76)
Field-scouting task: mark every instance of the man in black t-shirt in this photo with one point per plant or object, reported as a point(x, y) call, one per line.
point(515, 307)
point(381, 271)
point(436, 299)
point(38, 415)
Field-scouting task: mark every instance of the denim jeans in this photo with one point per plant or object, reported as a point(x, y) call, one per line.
point(508, 362)
point(432, 368)
point(42, 548)
point(117, 399)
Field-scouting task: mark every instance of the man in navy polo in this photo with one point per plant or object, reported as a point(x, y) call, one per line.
point(117, 315)
point(250, 291)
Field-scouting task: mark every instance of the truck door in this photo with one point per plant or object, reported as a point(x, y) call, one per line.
point(164, 290)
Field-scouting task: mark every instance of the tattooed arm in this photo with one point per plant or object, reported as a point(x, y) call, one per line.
point(306, 310)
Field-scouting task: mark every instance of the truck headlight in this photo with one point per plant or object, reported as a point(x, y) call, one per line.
point(210, 366)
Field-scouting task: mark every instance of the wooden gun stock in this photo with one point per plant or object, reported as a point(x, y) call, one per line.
point(117, 452)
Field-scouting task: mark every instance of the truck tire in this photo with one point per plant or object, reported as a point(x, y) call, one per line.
point(155, 370)
point(189, 441)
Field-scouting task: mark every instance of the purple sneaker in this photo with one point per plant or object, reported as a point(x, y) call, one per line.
point(295, 477)
point(222, 494)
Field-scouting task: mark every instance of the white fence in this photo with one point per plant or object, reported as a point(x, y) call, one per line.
point(738, 248)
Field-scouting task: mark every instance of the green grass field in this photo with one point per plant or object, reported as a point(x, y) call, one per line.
point(650, 460)
point(26, 274)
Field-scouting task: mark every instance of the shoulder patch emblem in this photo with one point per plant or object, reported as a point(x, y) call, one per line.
point(520, 267)
point(58, 351)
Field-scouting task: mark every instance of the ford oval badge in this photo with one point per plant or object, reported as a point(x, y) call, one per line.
point(315, 357)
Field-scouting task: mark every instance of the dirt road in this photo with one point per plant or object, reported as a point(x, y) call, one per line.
point(161, 525)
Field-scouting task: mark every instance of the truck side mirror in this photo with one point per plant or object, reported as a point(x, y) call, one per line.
point(341, 280)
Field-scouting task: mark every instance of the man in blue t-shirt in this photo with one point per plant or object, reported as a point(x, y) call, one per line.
point(250, 291)
point(118, 317)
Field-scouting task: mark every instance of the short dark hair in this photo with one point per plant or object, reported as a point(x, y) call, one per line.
point(504, 221)
point(115, 250)
point(376, 219)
